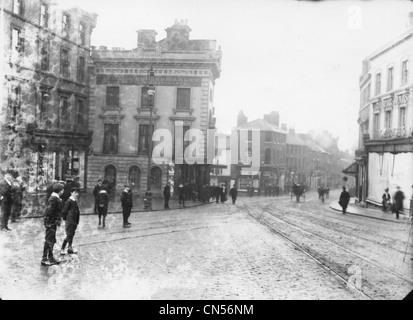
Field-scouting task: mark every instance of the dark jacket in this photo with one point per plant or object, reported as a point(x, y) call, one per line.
point(167, 191)
point(96, 191)
point(344, 199)
point(103, 198)
point(126, 199)
point(53, 211)
point(234, 193)
point(71, 213)
point(6, 191)
point(181, 193)
point(398, 200)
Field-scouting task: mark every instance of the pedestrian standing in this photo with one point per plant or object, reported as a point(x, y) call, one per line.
point(167, 195)
point(96, 191)
point(52, 221)
point(398, 201)
point(103, 204)
point(71, 215)
point(217, 194)
point(19, 188)
point(386, 199)
point(181, 196)
point(6, 196)
point(223, 193)
point(234, 194)
point(344, 200)
point(127, 204)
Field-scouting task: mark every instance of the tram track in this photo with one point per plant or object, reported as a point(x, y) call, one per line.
point(323, 261)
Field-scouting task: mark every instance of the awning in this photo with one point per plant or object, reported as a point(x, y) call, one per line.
point(352, 170)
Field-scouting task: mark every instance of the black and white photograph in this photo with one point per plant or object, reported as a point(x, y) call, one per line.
point(191, 150)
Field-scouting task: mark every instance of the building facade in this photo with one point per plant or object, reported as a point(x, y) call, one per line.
point(273, 152)
point(185, 72)
point(45, 94)
point(385, 154)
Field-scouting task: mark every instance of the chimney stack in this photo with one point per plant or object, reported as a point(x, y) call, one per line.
point(242, 119)
point(146, 38)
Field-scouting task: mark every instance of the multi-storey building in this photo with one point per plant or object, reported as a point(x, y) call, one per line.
point(385, 155)
point(44, 98)
point(184, 75)
point(272, 155)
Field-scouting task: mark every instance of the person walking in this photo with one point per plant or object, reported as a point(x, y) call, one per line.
point(398, 202)
point(52, 221)
point(127, 205)
point(167, 195)
point(71, 215)
point(96, 191)
point(181, 195)
point(6, 196)
point(103, 204)
point(386, 200)
point(234, 194)
point(344, 200)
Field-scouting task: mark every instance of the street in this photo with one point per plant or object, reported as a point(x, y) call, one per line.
point(262, 248)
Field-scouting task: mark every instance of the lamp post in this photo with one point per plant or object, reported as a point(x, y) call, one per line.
point(151, 96)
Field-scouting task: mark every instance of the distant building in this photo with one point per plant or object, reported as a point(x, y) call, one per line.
point(385, 155)
point(185, 72)
point(272, 157)
point(45, 97)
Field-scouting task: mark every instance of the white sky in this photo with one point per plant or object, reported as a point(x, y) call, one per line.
point(300, 58)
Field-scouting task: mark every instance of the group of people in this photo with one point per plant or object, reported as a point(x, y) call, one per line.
point(60, 207)
point(11, 198)
point(269, 191)
point(323, 193)
point(397, 205)
point(206, 193)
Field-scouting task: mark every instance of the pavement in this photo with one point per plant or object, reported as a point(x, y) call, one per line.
point(377, 214)
point(86, 206)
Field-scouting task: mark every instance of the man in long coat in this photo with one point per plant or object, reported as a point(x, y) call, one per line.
point(6, 196)
point(167, 195)
point(234, 194)
point(127, 205)
point(344, 200)
point(398, 202)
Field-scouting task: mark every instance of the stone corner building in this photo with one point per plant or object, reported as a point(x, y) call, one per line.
point(185, 74)
point(385, 155)
point(45, 92)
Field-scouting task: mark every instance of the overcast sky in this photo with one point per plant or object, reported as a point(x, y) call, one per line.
point(302, 59)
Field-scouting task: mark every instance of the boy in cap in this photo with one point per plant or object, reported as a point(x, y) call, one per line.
point(52, 220)
point(127, 204)
point(71, 215)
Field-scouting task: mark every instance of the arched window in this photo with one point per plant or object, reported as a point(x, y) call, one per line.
point(134, 179)
point(156, 175)
point(268, 156)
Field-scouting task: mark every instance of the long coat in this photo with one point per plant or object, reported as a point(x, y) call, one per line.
point(126, 199)
point(398, 201)
point(344, 199)
point(103, 202)
point(167, 192)
point(233, 193)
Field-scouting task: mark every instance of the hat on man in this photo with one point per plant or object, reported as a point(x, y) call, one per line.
point(58, 187)
point(75, 189)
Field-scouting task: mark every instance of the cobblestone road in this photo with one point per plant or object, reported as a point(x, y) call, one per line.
point(209, 252)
